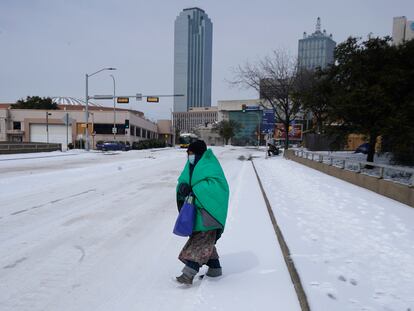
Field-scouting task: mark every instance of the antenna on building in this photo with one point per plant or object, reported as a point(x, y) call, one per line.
point(318, 25)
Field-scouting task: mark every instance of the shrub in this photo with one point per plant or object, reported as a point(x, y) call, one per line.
point(147, 144)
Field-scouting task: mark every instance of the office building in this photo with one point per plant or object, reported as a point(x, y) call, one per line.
point(193, 40)
point(316, 50)
point(402, 30)
point(186, 122)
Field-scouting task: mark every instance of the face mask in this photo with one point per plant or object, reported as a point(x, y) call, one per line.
point(191, 158)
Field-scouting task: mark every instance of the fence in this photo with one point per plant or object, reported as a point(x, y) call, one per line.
point(395, 182)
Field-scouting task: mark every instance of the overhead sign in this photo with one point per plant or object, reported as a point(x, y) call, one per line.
point(103, 97)
point(252, 108)
point(153, 99)
point(122, 100)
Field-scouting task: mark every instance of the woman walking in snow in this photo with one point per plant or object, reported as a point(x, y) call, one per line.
point(203, 178)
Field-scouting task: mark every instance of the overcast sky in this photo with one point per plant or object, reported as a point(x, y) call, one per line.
point(47, 46)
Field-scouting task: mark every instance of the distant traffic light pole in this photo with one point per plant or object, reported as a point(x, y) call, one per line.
point(86, 105)
point(114, 129)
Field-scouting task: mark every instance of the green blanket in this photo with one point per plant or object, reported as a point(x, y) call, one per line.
point(211, 192)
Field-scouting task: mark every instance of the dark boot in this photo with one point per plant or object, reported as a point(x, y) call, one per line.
point(187, 276)
point(214, 272)
point(214, 268)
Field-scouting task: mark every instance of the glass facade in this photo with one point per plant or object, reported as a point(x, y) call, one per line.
point(251, 121)
point(316, 50)
point(193, 43)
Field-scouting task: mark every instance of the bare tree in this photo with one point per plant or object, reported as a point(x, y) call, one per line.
point(275, 78)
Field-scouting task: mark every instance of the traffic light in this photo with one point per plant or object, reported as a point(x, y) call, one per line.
point(153, 99)
point(127, 124)
point(244, 108)
point(122, 100)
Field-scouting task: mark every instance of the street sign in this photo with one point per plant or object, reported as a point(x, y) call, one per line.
point(268, 121)
point(138, 97)
point(114, 131)
point(153, 99)
point(103, 97)
point(122, 100)
point(67, 120)
point(252, 108)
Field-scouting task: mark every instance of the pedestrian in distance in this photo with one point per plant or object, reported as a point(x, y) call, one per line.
point(272, 150)
point(204, 180)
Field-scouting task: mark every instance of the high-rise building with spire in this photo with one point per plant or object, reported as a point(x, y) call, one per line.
point(193, 44)
point(316, 50)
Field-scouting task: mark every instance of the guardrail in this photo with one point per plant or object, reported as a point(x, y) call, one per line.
point(399, 174)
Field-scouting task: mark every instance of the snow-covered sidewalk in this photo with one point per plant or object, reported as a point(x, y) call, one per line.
point(353, 248)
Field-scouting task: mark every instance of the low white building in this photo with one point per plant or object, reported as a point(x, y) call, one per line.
point(36, 125)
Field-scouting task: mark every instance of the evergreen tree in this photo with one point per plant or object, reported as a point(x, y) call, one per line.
point(227, 129)
point(35, 102)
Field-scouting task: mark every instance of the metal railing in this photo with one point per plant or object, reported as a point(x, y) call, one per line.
point(399, 174)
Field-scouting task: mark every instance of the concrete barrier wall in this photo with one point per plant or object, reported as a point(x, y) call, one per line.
point(398, 192)
point(11, 148)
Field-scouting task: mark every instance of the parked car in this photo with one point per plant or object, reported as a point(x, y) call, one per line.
point(99, 144)
point(363, 148)
point(115, 145)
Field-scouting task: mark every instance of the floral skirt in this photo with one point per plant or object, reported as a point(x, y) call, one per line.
point(199, 248)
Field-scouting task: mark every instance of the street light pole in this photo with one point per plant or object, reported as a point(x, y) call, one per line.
point(114, 128)
point(47, 125)
point(86, 114)
point(86, 104)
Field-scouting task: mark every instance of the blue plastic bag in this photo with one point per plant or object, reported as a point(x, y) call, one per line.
point(185, 221)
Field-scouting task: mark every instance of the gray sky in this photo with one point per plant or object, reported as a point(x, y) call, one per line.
point(47, 46)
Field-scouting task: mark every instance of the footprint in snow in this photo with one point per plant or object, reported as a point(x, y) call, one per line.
point(332, 296)
point(342, 278)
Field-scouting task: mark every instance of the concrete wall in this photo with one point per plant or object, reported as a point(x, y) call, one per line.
point(12, 148)
point(398, 192)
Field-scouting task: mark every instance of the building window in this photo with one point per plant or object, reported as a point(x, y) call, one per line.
point(132, 130)
point(17, 126)
point(107, 128)
point(138, 132)
point(144, 133)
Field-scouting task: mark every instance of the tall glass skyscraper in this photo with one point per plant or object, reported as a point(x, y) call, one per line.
point(193, 44)
point(316, 50)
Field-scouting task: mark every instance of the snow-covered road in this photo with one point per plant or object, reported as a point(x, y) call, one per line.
point(93, 232)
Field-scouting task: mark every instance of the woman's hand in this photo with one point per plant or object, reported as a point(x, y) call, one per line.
point(184, 189)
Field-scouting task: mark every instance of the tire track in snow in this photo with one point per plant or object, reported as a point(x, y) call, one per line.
point(52, 202)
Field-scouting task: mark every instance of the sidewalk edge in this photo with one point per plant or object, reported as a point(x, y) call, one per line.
point(300, 292)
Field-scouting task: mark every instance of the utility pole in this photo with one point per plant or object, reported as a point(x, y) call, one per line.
point(47, 125)
point(114, 129)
